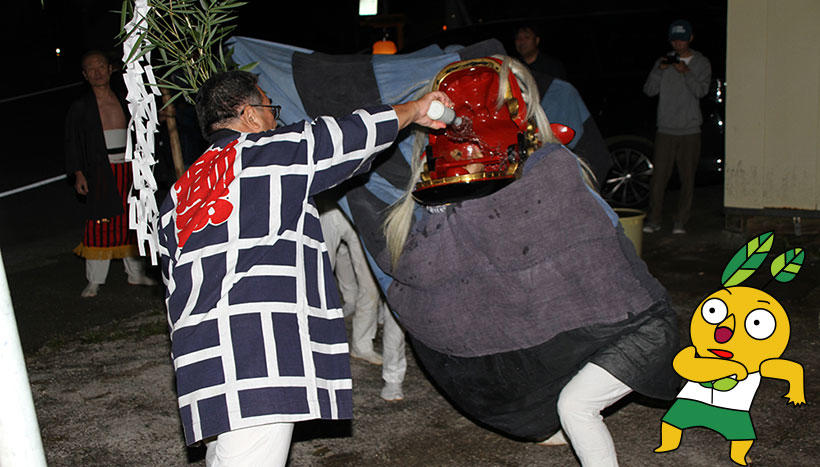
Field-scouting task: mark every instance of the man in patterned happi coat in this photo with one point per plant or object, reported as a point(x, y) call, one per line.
point(257, 332)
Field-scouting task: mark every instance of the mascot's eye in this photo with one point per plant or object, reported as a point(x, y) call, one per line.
point(760, 324)
point(714, 311)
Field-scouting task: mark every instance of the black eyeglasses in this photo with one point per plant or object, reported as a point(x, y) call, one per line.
point(273, 108)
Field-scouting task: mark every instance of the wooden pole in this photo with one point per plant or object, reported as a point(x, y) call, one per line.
point(173, 134)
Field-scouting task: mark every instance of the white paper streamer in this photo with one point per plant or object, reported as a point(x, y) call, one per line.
point(139, 149)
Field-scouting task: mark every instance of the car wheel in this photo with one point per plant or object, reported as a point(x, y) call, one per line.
point(627, 182)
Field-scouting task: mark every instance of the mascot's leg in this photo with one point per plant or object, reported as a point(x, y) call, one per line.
point(670, 438)
point(738, 450)
point(579, 408)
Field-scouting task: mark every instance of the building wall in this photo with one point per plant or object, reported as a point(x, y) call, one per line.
point(773, 104)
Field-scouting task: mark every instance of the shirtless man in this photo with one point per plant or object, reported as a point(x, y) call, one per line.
point(95, 156)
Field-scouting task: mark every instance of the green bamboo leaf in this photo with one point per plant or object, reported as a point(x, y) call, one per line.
point(217, 40)
point(131, 56)
point(220, 20)
point(222, 56)
point(173, 98)
point(129, 32)
point(124, 13)
point(249, 66)
point(172, 69)
point(787, 265)
point(747, 259)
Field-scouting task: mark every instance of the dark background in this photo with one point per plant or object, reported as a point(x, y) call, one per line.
point(603, 44)
point(32, 31)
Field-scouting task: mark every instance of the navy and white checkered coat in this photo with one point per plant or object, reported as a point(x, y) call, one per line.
point(257, 335)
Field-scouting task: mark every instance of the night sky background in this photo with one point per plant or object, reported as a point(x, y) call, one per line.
point(32, 31)
point(607, 48)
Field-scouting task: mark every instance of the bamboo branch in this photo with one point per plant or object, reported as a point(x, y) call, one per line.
point(189, 36)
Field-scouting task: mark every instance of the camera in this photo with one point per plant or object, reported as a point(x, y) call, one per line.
point(671, 58)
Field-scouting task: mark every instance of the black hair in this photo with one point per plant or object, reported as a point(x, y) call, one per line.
point(220, 96)
point(92, 53)
point(532, 27)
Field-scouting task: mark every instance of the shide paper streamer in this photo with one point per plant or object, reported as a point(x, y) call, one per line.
point(142, 104)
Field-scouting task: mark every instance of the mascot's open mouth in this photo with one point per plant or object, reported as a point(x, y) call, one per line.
point(722, 353)
point(723, 334)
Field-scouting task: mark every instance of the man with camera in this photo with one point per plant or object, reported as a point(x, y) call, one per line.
point(680, 79)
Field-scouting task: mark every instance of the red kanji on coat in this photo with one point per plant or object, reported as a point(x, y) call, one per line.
point(203, 191)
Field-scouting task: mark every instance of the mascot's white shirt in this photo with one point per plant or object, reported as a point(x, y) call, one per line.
point(738, 398)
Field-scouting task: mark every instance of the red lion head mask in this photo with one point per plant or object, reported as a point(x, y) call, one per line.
point(487, 149)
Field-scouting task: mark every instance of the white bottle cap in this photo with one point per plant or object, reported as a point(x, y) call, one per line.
point(436, 110)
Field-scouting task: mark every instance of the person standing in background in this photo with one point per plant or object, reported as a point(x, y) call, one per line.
point(527, 41)
point(95, 137)
point(362, 299)
point(680, 79)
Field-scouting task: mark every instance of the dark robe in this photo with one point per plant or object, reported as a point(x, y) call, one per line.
point(506, 297)
point(85, 151)
point(548, 65)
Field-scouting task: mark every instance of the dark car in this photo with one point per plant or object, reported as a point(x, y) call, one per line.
point(608, 55)
point(627, 184)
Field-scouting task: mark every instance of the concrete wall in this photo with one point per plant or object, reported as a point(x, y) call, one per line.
point(773, 104)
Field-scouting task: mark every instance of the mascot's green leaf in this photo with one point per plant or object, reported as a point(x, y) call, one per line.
point(787, 265)
point(747, 259)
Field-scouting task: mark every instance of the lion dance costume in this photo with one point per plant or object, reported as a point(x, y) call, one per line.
point(514, 279)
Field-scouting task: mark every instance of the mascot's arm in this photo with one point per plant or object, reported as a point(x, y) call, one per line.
point(790, 371)
point(698, 369)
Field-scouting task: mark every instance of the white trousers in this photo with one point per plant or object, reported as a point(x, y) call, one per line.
point(579, 407)
point(96, 270)
point(395, 360)
point(258, 446)
point(361, 295)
